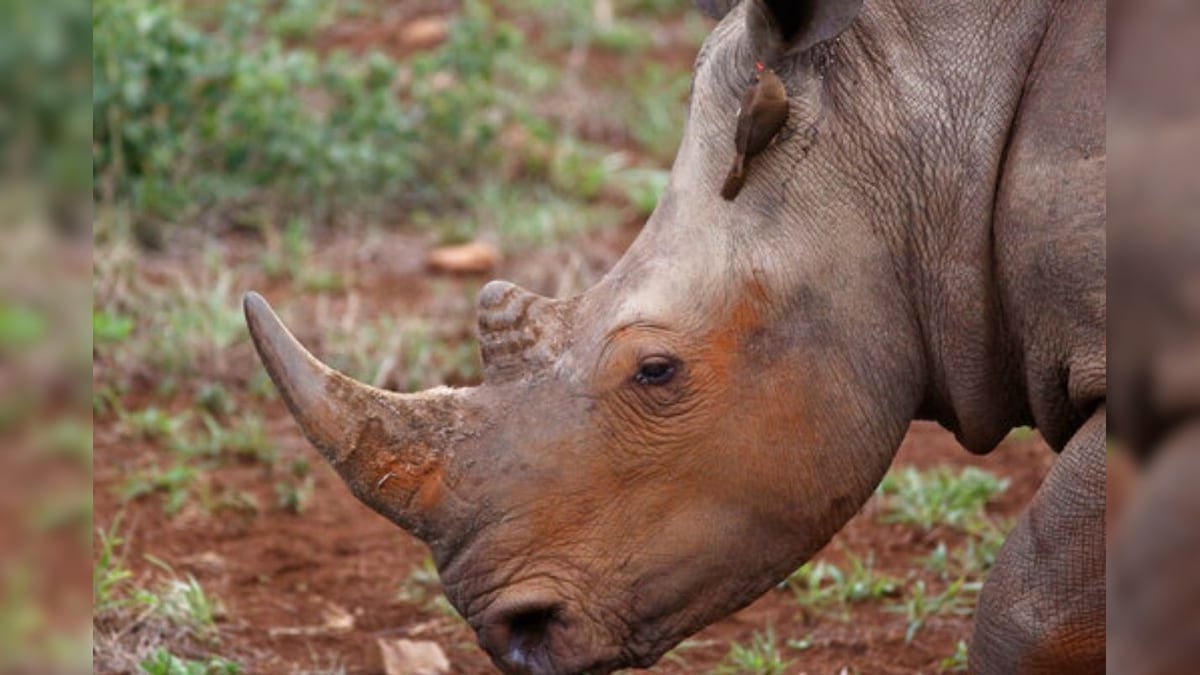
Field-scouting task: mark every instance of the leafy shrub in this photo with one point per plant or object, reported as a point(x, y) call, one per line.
point(188, 118)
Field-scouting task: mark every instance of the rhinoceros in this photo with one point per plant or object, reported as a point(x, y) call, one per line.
point(925, 240)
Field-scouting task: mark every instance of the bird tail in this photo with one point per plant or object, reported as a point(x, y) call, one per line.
point(735, 179)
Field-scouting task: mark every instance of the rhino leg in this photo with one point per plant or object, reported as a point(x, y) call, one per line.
point(1042, 609)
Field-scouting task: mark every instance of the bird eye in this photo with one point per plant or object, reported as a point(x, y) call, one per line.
point(655, 370)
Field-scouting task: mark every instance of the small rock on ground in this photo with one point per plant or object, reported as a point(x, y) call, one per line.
point(413, 657)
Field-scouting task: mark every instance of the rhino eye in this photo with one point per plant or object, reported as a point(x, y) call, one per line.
point(655, 370)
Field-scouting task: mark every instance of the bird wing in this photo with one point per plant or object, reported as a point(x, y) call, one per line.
point(767, 118)
point(745, 120)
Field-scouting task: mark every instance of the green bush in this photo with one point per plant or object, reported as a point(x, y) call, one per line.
point(190, 117)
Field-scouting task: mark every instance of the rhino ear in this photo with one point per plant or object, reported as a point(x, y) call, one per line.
point(781, 26)
point(715, 9)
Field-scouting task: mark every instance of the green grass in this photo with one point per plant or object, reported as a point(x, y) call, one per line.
point(294, 492)
point(193, 449)
point(183, 602)
point(1022, 433)
point(110, 575)
point(301, 19)
point(293, 496)
point(972, 558)
point(819, 584)
point(180, 327)
point(956, 662)
point(423, 588)
point(760, 656)
point(290, 256)
point(109, 326)
point(918, 606)
point(230, 500)
point(174, 483)
point(642, 187)
point(938, 497)
point(153, 423)
point(193, 322)
point(802, 644)
point(421, 584)
point(163, 662)
point(243, 438)
point(143, 626)
point(261, 388)
point(656, 110)
point(213, 398)
point(408, 355)
point(195, 454)
point(540, 215)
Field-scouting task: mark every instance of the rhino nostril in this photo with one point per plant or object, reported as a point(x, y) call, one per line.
point(528, 630)
point(519, 636)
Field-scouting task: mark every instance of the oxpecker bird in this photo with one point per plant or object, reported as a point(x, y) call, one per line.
point(762, 115)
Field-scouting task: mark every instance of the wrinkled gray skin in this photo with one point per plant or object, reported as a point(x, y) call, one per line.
point(926, 241)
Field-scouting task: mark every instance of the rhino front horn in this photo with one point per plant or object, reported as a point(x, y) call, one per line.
point(391, 449)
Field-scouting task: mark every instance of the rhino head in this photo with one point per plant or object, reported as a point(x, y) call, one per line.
point(647, 457)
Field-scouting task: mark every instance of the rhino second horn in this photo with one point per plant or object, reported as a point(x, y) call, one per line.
point(517, 330)
point(391, 449)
